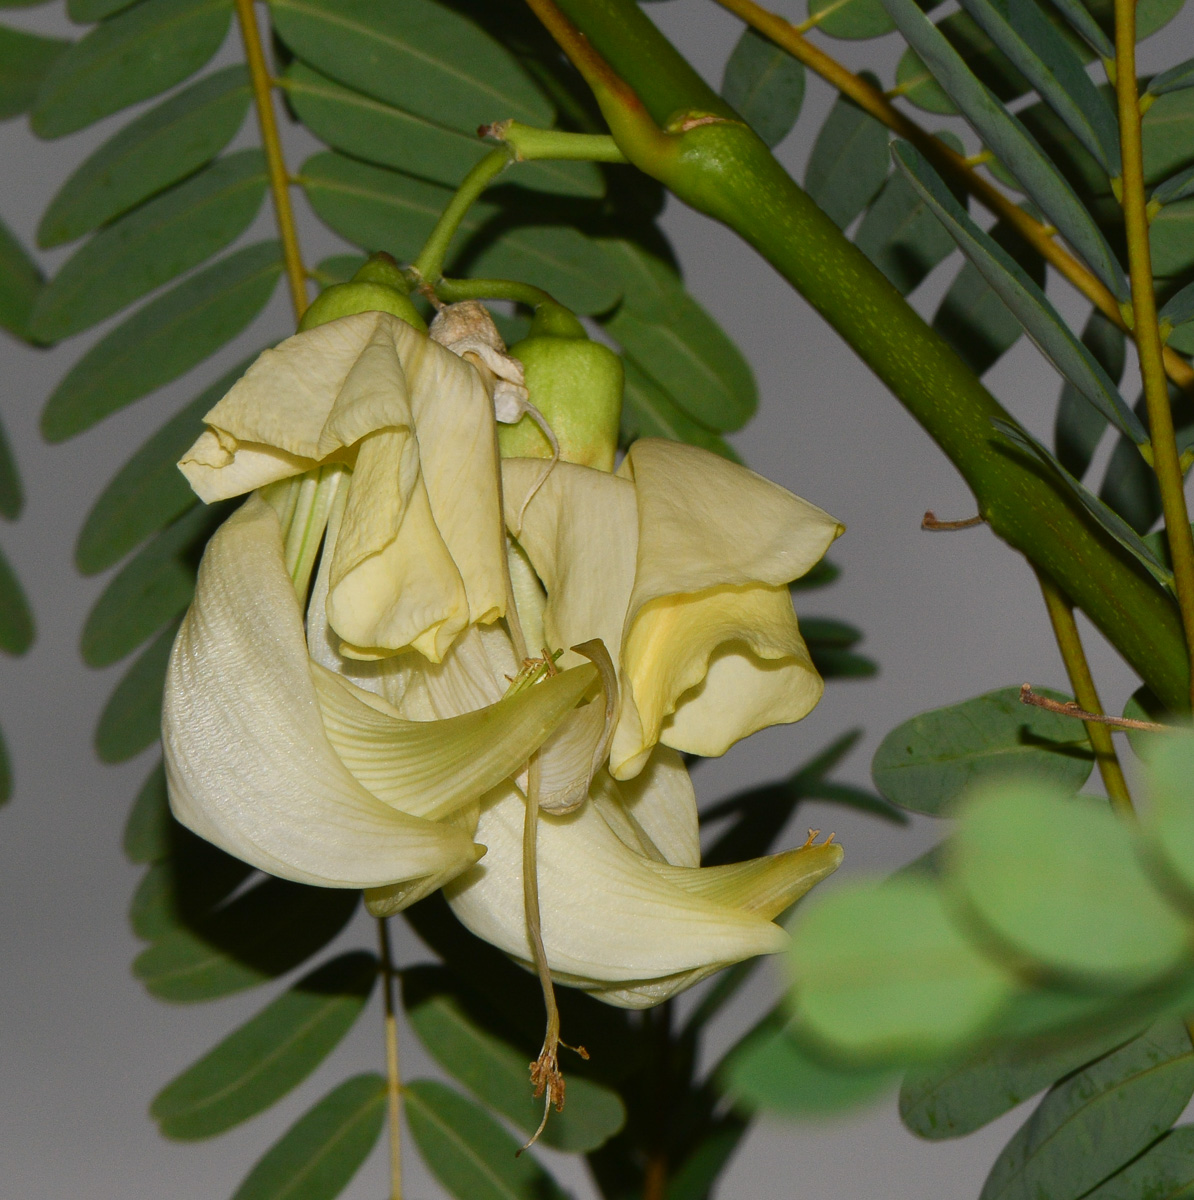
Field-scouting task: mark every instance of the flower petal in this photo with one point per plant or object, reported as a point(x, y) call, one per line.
point(661, 801)
point(248, 763)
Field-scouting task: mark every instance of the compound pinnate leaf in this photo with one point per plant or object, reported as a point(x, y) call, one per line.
point(885, 971)
point(496, 1072)
point(132, 718)
point(1097, 1120)
point(765, 84)
point(167, 144)
point(183, 887)
point(20, 280)
point(25, 59)
point(147, 832)
point(164, 339)
point(468, 1151)
point(129, 57)
point(850, 18)
point(151, 245)
point(927, 763)
point(1163, 1172)
point(1079, 425)
point(149, 491)
point(153, 589)
point(950, 1100)
point(261, 934)
point(413, 54)
point(324, 1148)
point(1058, 879)
point(648, 411)
point(257, 1064)
point(848, 163)
point(16, 619)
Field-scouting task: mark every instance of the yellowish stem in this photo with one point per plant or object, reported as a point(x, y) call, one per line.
point(279, 181)
point(871, 100)
point(393, 1076)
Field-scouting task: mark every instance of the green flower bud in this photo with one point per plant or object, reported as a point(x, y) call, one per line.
point(378, 286)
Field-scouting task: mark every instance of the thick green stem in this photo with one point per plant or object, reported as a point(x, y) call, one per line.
point(451, 290)
point(530, 143)
point(713, 162)
point(1144, 312)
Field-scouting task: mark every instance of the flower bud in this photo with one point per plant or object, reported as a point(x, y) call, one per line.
point(377, 287)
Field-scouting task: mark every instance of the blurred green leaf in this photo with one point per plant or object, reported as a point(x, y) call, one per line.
point(5, 773)
point(1057, 879)
point(1173, 79)
point(20, 280)
point(1179, 308)
point(414, 54)
point(849, 161)
point(971, 316)
point(1167, 131)
point(1092, 1123)
point(765, 84)
point(324, 1148)
point(928, 762)
point(1130, 487)
point(884, 971)
point(830, 644)
point(151, 590)
point(1079, 425)
point(261, 934)
point(496, 1072)
point(16, 619)
point(148, 830)
point(12, 497)
point(1171, 238)
point(129, 57)
point(648, 411)
point(170, 234)
point(132, 717)
point(1079, 16)
point(25, 58)
point(851, 18)
point(257, 1064)
point(694, 1177)
point(950, 1100)
point(1176, 187)
point(1165, 1171)
point(164, 339)
point(468, 1152)
point(167, 144)
point(149, 491)
point(677, 345)
point(1170, 823)
point(86, 12)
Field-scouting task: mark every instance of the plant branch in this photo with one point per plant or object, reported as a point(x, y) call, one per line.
point(933, 524)
point(451, 290)
point(1069, 642)
point(1070, 709)
point(1166, 462)
point(279, 180)
point(393, 1078)
point(871, 100)
point(531, 144)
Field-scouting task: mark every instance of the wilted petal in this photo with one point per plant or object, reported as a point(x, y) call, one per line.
point(716, 546)
point(248, 762)
point(608, 916)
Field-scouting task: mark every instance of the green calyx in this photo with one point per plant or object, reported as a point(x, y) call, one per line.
point(576, 384)
point(377, 287)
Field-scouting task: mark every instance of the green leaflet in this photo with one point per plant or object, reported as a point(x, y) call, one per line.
point(182, 888)
point(85, 12)
point(1176, 187)
point(324, 1148)
point(1171, 238)
point(848, 163)
point(1079, 16)
point(1174, 79)
point(380, 209)
point(257, 1064)
point(677, 344)
point(884, 971)
point(1164, 1172)
point(151, 245)
point(261, 934)
point(1167, 130)
point(1044, 324)
point(1170, 827)
point(496, 1072)
point(469, 1153)
point(20, 279)
point(1097, 1120)
point(391, 137)
point(12, 497)
point(149, 491)
point(151, 590)
point(765, 84)
point(1130, 486)
point(950, 1100)
point(132, 717)
point(831, 645)
point(695, 1176)
point(16, 620)
point(1179, 308)
point(1058, 881)
point(971, 316)
point(167, 144)
point(25, 59)
point(164, 339)
point(5, 773)
point(414, 54)
point(927, 763)
point(1079, 425)
point(147, 832)
point(129, 57)
point(648, 411)
point(851, 18)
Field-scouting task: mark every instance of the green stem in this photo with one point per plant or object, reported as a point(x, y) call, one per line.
point(430, 263)
point(1069, 642)
point(531, 144)
point(721, 168)
point(452, 290)
point(393, 1077)
point(1166, 462)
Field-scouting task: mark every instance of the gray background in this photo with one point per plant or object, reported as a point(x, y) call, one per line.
point(83, 1048)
